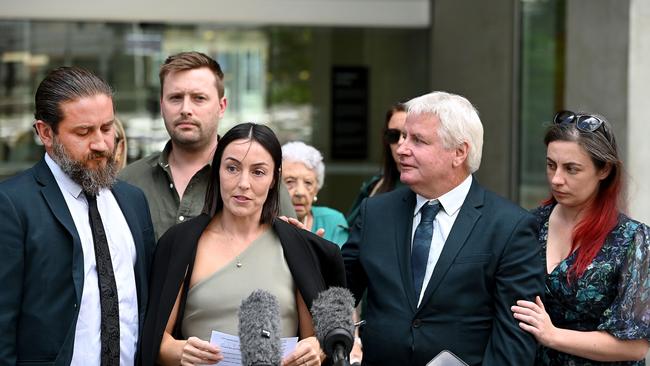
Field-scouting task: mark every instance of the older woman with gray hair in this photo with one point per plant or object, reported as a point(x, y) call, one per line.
point(303, 172)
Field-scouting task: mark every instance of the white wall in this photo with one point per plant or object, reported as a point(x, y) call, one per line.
point(607, 72)
point(359, 13)
point(638, 159)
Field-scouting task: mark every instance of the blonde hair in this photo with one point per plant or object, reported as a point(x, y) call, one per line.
point(120, 153)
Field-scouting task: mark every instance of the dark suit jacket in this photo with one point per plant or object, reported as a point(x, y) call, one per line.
point(41, 266)
point(314, 262)
point(490, 260)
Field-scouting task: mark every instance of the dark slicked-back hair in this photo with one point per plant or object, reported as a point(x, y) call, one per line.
point(65, 84)
point(254, 133)
point(189, 61)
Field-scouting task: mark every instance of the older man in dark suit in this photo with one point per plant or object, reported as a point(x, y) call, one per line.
point(443, 259)
point(75, 246)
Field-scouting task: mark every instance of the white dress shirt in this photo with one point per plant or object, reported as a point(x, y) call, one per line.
point(450, 203)
point(87, 343)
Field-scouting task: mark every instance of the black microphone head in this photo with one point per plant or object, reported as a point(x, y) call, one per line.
point(259, 330)
point(332, 314)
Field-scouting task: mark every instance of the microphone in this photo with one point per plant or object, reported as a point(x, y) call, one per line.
point(259, 330)
point(332, 313)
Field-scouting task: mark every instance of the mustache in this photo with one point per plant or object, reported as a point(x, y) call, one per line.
point(186, 120)
point(97, 155)
point(90, 180)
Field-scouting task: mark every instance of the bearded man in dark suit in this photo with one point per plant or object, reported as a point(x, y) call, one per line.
point(75, 245)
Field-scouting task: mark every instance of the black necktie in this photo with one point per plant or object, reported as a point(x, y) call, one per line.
point(110, 311)
point(422, 243)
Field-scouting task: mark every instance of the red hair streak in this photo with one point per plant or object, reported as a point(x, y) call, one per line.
point(591, 231)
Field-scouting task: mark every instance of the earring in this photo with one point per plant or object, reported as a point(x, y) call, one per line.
point(315, 198)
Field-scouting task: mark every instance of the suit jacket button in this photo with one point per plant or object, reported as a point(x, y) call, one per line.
point(417, 323)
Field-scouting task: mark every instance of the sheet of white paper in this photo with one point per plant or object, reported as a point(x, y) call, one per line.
point(288, 345)
point(229, 345)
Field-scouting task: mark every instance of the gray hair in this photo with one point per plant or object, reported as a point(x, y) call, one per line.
point(300, 152)
point(459, 122)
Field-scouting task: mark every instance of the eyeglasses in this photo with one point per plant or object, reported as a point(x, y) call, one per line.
point(584, 122)
point(392, 135)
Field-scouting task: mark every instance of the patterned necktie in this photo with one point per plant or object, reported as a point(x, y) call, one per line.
point(110, 311)
point(422, 243)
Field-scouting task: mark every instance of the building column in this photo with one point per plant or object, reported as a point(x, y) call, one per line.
point(607, 44)
point(638, 150)
point(475, 53)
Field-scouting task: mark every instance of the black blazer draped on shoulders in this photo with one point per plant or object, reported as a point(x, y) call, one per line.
point(315, 264)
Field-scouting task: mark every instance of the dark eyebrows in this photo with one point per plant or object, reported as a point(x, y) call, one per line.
point(567, 164)
point(255, 165)
point(233, 159)
point(90, 127)
point(573, 164)
point(261, 164)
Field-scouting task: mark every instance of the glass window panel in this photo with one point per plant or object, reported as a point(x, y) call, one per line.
point(542, 84)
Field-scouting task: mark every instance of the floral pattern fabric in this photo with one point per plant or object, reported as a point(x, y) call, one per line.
point(612, 295)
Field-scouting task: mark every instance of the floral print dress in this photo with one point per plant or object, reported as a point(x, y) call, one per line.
point(612, 295)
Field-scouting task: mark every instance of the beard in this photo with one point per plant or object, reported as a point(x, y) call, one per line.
point(90, 180)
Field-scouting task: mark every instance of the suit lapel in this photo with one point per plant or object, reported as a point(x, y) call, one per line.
point(402, 240)
point(467, 217)
point(54, 199)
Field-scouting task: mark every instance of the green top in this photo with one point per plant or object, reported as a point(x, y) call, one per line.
point(213, 303)
point(153, 175)
point(334, 223)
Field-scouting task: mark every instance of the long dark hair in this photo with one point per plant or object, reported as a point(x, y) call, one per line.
point(389, 165)
point(254, 133)
point(602, 216)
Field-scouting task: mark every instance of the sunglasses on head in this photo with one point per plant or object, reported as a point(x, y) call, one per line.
point(392, 135)
point(583, 122)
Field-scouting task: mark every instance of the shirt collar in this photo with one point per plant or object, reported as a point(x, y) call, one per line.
point(450, 201)
point(163, 159)
point(65, 182)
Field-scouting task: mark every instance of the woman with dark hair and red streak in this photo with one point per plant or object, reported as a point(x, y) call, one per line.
point(388, 179)
point(596, 309)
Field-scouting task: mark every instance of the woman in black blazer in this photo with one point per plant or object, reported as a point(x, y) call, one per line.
point(241, 205)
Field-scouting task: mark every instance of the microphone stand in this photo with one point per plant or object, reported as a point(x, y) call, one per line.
point(339, 357)
point(338, 344)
